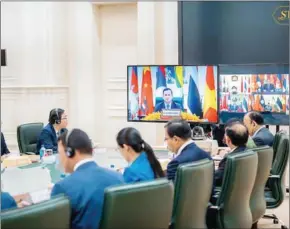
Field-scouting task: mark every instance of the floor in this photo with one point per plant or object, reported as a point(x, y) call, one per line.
point(282, 212)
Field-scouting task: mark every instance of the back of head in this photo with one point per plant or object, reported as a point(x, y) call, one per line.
point(132, 137)
point(256, 117)
point(232, 120)
point(179, 128)
point(238, 134)
point(77, 139)
point(55, 116)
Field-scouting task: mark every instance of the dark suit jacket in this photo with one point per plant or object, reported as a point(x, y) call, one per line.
point(160, 106)
point(219, 173)
point(85, 189)
point(7, 201)
point(190, 153)
point(4, 149)
point(48, 138)
point(263, 137)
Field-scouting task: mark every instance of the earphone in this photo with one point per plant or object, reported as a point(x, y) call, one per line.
point(58, 120)
point(70, 152)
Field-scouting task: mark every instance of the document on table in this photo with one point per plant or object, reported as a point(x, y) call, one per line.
point(18, 181)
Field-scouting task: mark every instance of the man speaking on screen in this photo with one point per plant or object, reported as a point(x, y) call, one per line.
point(167, 103)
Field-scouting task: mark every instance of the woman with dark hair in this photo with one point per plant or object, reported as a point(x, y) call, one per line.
point(143, 164)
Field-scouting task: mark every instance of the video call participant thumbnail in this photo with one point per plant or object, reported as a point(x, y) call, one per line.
point(168, 102)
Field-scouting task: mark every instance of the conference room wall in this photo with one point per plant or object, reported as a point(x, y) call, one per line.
point(35, 78)
point(74, 55)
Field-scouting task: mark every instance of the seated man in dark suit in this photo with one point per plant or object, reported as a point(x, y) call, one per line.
point(167, 101)
point(4, 148)
point(86, 184)
point(261, 135)
point(178, 138)
point(56, 126)
point(7, 201)
point(236, 137)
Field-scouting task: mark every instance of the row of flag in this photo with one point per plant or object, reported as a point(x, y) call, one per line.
point(145, 105)
point(254, 102)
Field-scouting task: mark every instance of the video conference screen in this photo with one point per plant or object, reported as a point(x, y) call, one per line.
point(262, 88)
point(165, 92)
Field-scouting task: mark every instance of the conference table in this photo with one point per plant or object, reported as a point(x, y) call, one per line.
point(33, 182)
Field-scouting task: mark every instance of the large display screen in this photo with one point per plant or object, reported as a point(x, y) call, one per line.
point(161, 93)
point(262, 88)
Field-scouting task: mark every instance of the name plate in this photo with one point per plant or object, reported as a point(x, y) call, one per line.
point(170, 114)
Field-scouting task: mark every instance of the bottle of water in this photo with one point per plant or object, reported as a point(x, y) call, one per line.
point(42, 152)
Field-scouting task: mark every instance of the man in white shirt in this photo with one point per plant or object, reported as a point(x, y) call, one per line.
point(261, 135)
point(87, 182)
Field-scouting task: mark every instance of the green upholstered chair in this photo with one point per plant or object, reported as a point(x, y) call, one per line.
point(232, 209)
point(276, 142)
point(193, 188)
point(139, 205)
point(51, 214)
point(27, 136)
point(275, 190)
point(257, 201)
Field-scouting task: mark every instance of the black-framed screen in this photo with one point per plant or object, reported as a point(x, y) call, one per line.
point(256, 87)
point(158, 93)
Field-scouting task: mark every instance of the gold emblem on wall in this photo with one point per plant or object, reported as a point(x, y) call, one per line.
point(281, 15)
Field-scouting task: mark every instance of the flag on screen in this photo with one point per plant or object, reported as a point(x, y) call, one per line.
point(284, 103)
point(242, 84)
point(134, 94)
point(279, 104)
point(279, 77)
point(245, 84)
point(193, 99)
point(179, 76)
point(210, 101)
point(284, 82)
point(225, 102)
point(257, 103)
point(160, 76)
point(250, 103)
point(245, 105)
point(146, 93)
point(258, 82)
point(170, 74)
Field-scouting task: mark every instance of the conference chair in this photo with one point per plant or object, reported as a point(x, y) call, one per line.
point(258, 201)
point(275, 190)
point(27, 136)
point(139, 205)
point(276, 141)
point(193, 188)
point(51, 214)
point(232, 208)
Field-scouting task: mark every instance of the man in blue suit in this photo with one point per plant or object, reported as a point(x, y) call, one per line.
point(261, 135)
point(178, 138)
point(56, 126)
point(236, 138)
point(7, 201)
point(86, 184)
point(167, 101)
